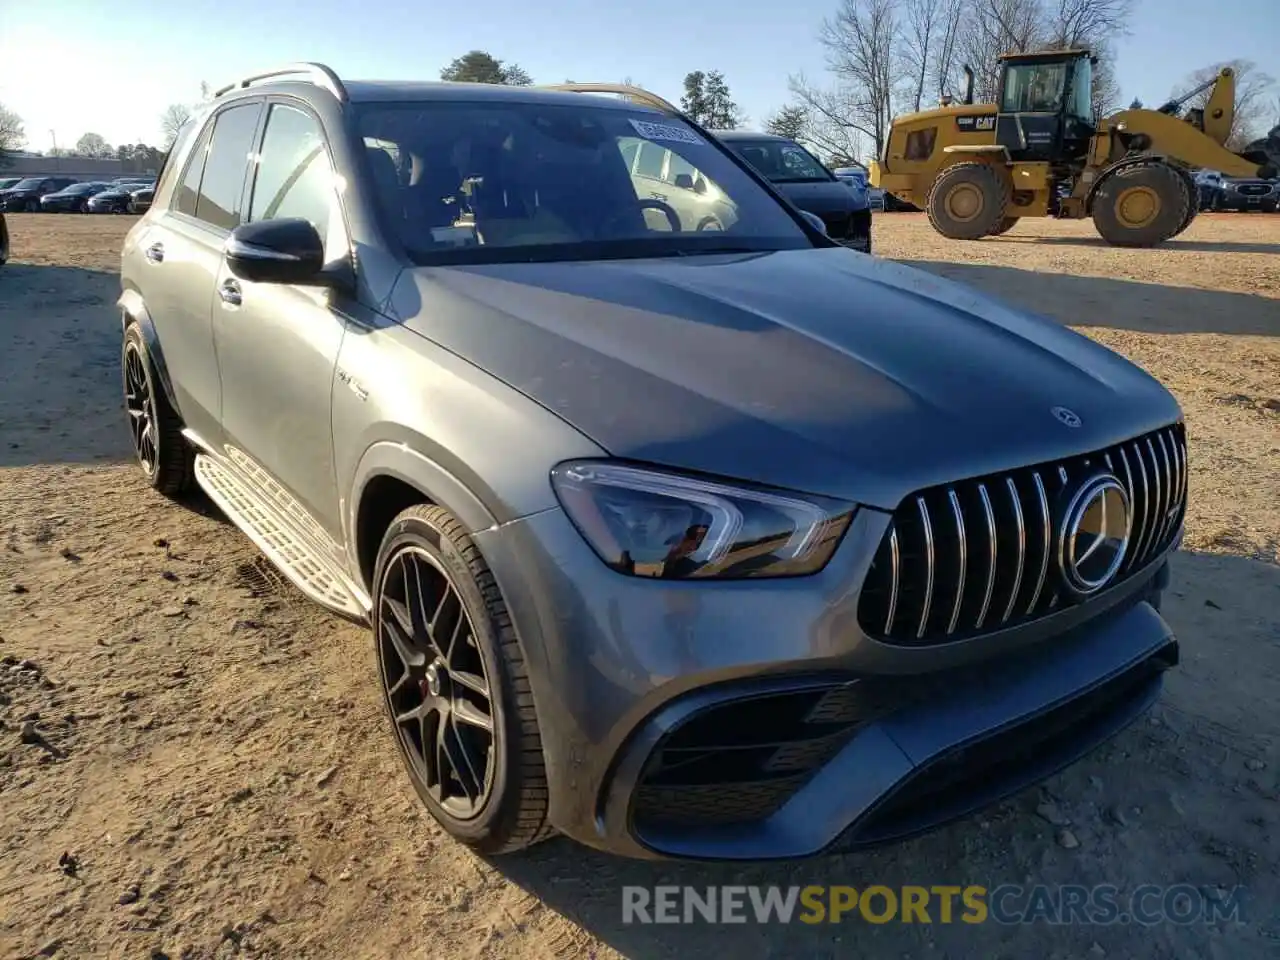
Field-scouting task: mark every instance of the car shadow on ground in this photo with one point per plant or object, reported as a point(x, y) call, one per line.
point(1173, 799)
point(1170, 246)
point(1087, 301)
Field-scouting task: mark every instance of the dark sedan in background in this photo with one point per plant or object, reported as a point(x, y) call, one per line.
point(117, 199)
point(25, 195)
point(72, 199)
point(800, 177)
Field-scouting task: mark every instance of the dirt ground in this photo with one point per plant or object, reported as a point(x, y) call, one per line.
point(216, 779)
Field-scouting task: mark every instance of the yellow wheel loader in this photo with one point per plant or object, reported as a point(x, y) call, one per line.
point(976, 169)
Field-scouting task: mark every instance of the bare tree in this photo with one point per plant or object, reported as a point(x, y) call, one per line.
point(942, 60)
point(920, 28)
point(1253, 90)
point(173, 119)
point(995, 27)
point(860, 41)
point(826, 127)
point(12, 136)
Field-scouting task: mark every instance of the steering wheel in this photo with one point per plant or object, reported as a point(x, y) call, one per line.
point(648, 203)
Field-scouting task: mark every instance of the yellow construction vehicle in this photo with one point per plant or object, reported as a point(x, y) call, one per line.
point(978, 168)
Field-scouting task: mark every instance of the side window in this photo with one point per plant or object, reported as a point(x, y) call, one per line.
point(294, 178)
point(219, 200)
point(629, 148)
point(678, 165)
point(184, 200)
point(651, 157)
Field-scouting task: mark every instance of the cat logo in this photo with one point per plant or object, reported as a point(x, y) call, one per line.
point(972, 124)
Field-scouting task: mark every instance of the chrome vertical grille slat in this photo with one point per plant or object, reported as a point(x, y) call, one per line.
point(929, 562)
point(1140, 509)
point(1156, 508)
point(1021, 533)
point(1047, 545)
point(1013, 577)
point(990, 517)
point(962, 559)
point(895, 573)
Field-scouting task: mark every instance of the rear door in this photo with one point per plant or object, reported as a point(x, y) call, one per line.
point(183, 253)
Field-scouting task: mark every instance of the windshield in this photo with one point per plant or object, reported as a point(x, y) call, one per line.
point(781, 161)
point(30, 183)
point(1034, 88)
point(468, 182)
point(81, 188)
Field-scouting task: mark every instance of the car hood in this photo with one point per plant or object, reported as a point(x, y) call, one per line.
point(820, 370)
point(823, 196)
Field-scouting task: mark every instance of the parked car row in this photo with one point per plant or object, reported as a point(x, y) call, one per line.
point(58, 194)
point(1237, 193)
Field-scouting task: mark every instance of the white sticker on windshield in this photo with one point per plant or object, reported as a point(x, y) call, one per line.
point(665, 131)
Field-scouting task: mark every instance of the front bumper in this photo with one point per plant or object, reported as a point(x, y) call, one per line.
point(741, 720)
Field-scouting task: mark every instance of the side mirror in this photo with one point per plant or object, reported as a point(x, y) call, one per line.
point(684, 181)
point(815, 221)
point(288, 250)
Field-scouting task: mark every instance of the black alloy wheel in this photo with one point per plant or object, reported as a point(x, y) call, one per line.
point(436, 683)
point(140, 407)
point(455, 684)
point(154, 427)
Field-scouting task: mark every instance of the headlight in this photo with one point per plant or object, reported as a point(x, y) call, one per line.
point(655, 524)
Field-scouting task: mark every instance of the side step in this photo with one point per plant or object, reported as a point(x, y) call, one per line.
point(284, 546)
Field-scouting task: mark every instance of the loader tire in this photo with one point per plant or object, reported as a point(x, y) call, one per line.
point(1004, 226)
point(1193, 201)
point(1141, 206)
point(968, 201)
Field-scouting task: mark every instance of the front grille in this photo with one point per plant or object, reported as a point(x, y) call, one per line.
point(963, 559)
point(838, 225)
point(1254, 189)
point(741, 760)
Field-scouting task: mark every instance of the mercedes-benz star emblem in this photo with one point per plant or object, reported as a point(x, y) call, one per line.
point(1068, 418)
point(1095, 534)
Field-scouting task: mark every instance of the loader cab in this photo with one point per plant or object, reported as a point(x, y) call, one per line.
point(1046, 105)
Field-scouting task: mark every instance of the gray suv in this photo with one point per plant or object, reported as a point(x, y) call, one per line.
point(685, 542)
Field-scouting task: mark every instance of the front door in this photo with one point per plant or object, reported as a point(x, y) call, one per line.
point(278, 344)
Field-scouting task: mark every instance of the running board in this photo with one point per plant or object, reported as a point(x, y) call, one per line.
point(284, 546)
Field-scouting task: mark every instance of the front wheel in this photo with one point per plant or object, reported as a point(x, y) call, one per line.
point(455, 685)
point(1141, 206)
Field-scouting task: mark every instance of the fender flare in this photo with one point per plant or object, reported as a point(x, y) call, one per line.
point(1124, 164)
point(134, 310)
point(395, 459)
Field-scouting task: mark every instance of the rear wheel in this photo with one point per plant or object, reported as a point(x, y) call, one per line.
point(154, 427)
point(968, 201)
point(455, 685)
point(1193, 201)
point(1004, 226)
point(1141, 206)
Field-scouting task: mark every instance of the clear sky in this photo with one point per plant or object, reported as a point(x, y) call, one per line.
point(70, 66)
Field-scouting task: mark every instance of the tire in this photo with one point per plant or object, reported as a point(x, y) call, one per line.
point(84, 206)
point(1140, 206)
point(976, 189)
point(168, 463)
point(1004, 226)
point(1193, 206)
point(4, 241)
point(33, 206)
point(511, 812)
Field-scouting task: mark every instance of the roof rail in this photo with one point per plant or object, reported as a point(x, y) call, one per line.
point(624, 90)
point(316, 73)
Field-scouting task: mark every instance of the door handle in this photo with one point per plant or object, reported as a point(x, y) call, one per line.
point(231, 293)
point(155, 252)
point(658, 196)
